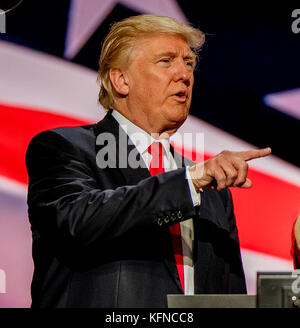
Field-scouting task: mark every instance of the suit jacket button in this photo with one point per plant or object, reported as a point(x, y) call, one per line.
point(159, 221)
point(173, 217)
point(167, 219)
point(179, 215)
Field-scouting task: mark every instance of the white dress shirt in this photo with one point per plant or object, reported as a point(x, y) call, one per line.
point(142, 140)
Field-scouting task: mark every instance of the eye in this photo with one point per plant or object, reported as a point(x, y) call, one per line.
point(189, 64)
point(165, 62)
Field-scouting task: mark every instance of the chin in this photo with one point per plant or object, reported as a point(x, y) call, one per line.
point(175, 115)
point(176, 124)
point(180, 116)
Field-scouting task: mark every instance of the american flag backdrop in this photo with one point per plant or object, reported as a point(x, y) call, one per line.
point(246, 96)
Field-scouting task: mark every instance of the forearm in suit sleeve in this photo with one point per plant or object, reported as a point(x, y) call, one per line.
point(64, 198)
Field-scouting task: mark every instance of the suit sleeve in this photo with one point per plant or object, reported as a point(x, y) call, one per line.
point(65, 201)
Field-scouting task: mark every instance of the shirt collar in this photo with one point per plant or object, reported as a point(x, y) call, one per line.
point(140, 138)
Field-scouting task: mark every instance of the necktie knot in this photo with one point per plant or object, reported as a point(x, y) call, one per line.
point(156, 165)
point(155, 149)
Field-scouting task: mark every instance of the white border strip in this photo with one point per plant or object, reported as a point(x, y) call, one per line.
point(254, 262)
point(37, 80)
point(13, 187)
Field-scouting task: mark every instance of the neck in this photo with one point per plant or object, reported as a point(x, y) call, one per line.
point(152, 128)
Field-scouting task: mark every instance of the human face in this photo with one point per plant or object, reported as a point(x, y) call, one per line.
point(160, 81)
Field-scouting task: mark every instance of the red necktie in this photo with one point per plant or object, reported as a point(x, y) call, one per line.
point(156, 167)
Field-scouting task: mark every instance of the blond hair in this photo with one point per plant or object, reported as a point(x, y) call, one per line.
point(120, 41)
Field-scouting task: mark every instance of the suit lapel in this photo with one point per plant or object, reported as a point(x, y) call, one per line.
point(202, 259)
point(211, 216)
point(127, 157)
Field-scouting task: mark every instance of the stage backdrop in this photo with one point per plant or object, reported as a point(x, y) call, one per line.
point(246, 95)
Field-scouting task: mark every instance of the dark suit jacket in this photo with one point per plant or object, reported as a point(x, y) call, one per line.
point(101, 236)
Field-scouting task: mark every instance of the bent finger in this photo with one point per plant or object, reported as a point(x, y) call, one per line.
point(242, 169)
point(231, 173)
point(246, 184)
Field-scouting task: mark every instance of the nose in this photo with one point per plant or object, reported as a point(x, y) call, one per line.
point(183, 72)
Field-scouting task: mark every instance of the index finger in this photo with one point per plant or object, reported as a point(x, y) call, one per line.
point(255, 153)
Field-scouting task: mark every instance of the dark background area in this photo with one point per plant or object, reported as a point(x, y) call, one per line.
point(250, 51)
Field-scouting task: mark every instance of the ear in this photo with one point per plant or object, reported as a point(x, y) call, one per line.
point(119, 81)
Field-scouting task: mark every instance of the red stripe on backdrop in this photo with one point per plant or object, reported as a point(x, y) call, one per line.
point(265, 213)
point(17, 127)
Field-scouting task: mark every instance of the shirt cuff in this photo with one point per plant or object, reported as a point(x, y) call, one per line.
point(196, 197)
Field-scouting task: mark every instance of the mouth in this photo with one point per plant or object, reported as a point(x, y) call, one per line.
point(181, 96)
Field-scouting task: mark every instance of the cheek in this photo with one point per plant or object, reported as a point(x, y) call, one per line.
point(146, 83)
point(154, 82)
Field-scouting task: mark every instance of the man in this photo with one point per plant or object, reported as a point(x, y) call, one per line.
point(295, 249)
point(118, 218)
